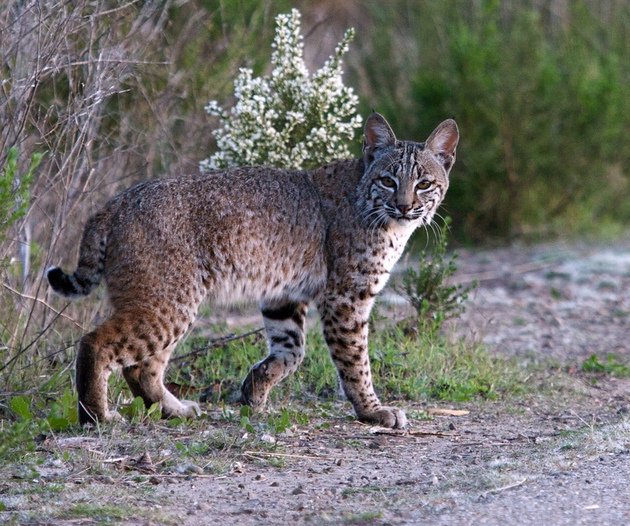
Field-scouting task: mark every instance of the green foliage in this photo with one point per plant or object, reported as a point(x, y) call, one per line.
point(427, 289)
point(246, 414)
point(611, 366)
point(18, 437)
point(32, 416)
point(63, 412)
point(15, 188)
point(275, 422)
point(428, 366)
point(137, 411)
point(20, 405)
point(542, 102)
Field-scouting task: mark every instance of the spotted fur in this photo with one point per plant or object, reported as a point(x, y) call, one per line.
point(329, 236)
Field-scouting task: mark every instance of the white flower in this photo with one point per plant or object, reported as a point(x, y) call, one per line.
point(288, 118)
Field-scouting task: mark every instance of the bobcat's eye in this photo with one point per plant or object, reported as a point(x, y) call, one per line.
point(387, 182)
point(423, 185)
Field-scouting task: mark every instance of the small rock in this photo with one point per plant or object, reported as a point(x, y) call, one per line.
point(274, 484)
point(268, 438)
point(339, 462)
point(298, 491)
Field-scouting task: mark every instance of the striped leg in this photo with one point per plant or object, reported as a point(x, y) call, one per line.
point(345, 325)
point(284, 325)
point(136, 340)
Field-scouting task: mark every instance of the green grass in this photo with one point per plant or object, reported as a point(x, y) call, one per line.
point(406, 366)
point(612, 365)
point(366, 517)
point(430, 366)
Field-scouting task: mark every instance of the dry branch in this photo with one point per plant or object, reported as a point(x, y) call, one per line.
point(216, 343)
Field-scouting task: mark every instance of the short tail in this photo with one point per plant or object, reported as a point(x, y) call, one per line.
point(91, 264)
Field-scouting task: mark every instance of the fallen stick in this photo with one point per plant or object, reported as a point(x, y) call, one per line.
point(289, 455)
point(217, 342)
point(504, 488)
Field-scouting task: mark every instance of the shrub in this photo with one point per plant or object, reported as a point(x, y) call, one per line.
point(541, 95)
point(288, 118)
point(15, 188)
point(428, 289)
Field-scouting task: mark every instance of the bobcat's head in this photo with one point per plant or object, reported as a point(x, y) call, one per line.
point(404, 181)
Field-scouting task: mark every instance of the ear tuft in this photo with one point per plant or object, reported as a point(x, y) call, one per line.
point(377, 133)
point(443, 143)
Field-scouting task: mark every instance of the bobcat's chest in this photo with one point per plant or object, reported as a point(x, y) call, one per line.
point(374, 264)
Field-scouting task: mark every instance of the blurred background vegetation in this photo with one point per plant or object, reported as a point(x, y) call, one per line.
point(112, 93)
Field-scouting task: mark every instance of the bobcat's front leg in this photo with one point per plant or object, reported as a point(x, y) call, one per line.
point(345, 324)
point(284, 324)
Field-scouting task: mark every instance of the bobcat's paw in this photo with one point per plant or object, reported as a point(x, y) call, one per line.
point(386, 417)
point(191, 409)
point(89, 417)
point(173, 408)
point(261, 378)
point(251, 392)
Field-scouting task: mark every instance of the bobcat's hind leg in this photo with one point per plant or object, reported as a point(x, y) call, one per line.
point(152, 341)
point(141, 343)
point(284, 325)
point(146, 379)
point(93, 366)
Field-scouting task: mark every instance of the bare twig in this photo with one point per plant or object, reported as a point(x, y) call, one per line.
point(504, 488)
point(217, 342)
point(47, 305)
point(413, 432)
point(284, 455)
point(24, 349)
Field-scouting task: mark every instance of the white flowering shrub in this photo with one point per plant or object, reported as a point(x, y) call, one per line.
point(289, 118)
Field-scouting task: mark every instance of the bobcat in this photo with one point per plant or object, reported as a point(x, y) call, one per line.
point(285, 238)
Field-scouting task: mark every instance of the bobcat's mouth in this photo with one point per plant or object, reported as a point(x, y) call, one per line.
point(397, 215)
point(405, 218)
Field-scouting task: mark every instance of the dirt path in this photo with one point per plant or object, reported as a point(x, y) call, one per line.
point(561, 301)
point(558, 457)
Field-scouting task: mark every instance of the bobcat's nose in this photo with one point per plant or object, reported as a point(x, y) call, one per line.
point(404, 208)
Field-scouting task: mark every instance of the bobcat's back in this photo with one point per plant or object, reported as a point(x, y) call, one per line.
point(241, 234)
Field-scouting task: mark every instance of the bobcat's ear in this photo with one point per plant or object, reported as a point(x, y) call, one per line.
point(377, 134)
point(443, 143)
